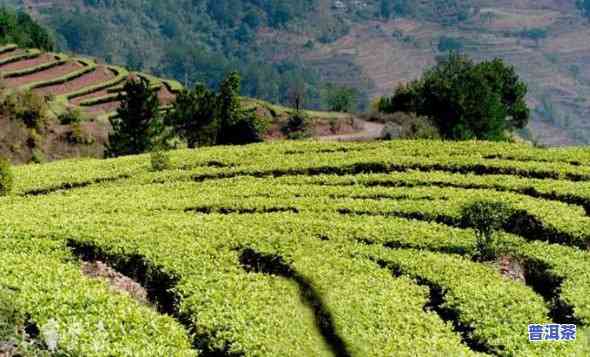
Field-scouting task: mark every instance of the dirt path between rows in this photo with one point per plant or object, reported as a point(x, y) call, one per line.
point(370, 131)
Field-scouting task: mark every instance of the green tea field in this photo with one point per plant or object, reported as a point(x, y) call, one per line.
point(301, 249)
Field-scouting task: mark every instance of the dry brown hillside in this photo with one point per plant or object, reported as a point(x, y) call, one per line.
point(545, 39)
point(556, 66)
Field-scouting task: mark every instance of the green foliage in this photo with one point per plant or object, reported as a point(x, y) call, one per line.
point(37, 156)
point(191, 51)
point(25, 106)
point(19, 28)
point(194, 116)
point(71, 115)
point(486, 218)
point(229, 110)
point(205, 118)
point(298, 126)
point(466, 100)
point(342, 216)
point(6, 177)
point(160, 160)
point(138, 127)
point(340, 99)
point(236, 126)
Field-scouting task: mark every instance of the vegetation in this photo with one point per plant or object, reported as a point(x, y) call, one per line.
point(281, 236)
point(137, 127)
point(466, 100)
point(204, 118)
point(160, 160)
point(193, 52)
point(340, 99)
point(298, 126)
point(26, 107)
point(486, 218)
point(6, 177)
point(19, 28)
point(194, 116)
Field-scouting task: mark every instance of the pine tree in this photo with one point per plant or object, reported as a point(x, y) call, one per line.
point(194, 116)
point(228, 104)
point(137, 127)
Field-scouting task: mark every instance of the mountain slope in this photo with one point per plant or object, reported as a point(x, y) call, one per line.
point(370, 45)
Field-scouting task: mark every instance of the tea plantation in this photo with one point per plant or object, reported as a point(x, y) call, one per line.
point(302, 249)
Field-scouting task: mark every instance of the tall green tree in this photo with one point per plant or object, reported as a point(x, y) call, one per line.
point(19, 28)
point(202, 117)
point(228, 106)
point(138, 126)
point(340, 99)
point(466, 100)
point(194, 116)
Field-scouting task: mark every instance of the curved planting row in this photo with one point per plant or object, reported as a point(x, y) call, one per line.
point(307, 249)
point(19, 55)
point(74, 81)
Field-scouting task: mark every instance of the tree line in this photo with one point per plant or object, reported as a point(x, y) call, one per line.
point(200, 116)
point(20, 29)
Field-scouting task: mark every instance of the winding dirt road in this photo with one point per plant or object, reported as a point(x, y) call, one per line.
point(370, 131)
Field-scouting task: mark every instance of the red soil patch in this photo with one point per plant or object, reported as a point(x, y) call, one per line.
point(44, 58)
point(116, 280)
point(101, 74)
point(511, 268)
point(44, 75)
point(105, 107)
point(166, 97)
point(97, 94)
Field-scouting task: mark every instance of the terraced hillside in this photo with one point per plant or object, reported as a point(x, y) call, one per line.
point(73, 81)
point(301, 249)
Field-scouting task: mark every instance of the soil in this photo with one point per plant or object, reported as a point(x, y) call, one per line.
point(368, 131)
point(44, 58)
point(101, 74)
point(44, 75)
point(116, 280)
point(512, 268)
point(100, 93)
point(104, 107)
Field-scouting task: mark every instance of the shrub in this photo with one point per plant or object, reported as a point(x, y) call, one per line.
point(391, 131)
point(160, 160)
point(486, 218)
point(203, 117)
point(77, 135)
point(249, 128)
point(27, 107)
point(38, 157)
point(6, 177)
point(466, 100)
point(71, 115)
point(194, 116)
point(407, 126)
point(298, 126)
point(416, 127)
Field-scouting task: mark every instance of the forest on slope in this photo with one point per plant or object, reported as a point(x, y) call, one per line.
point(368, 45)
